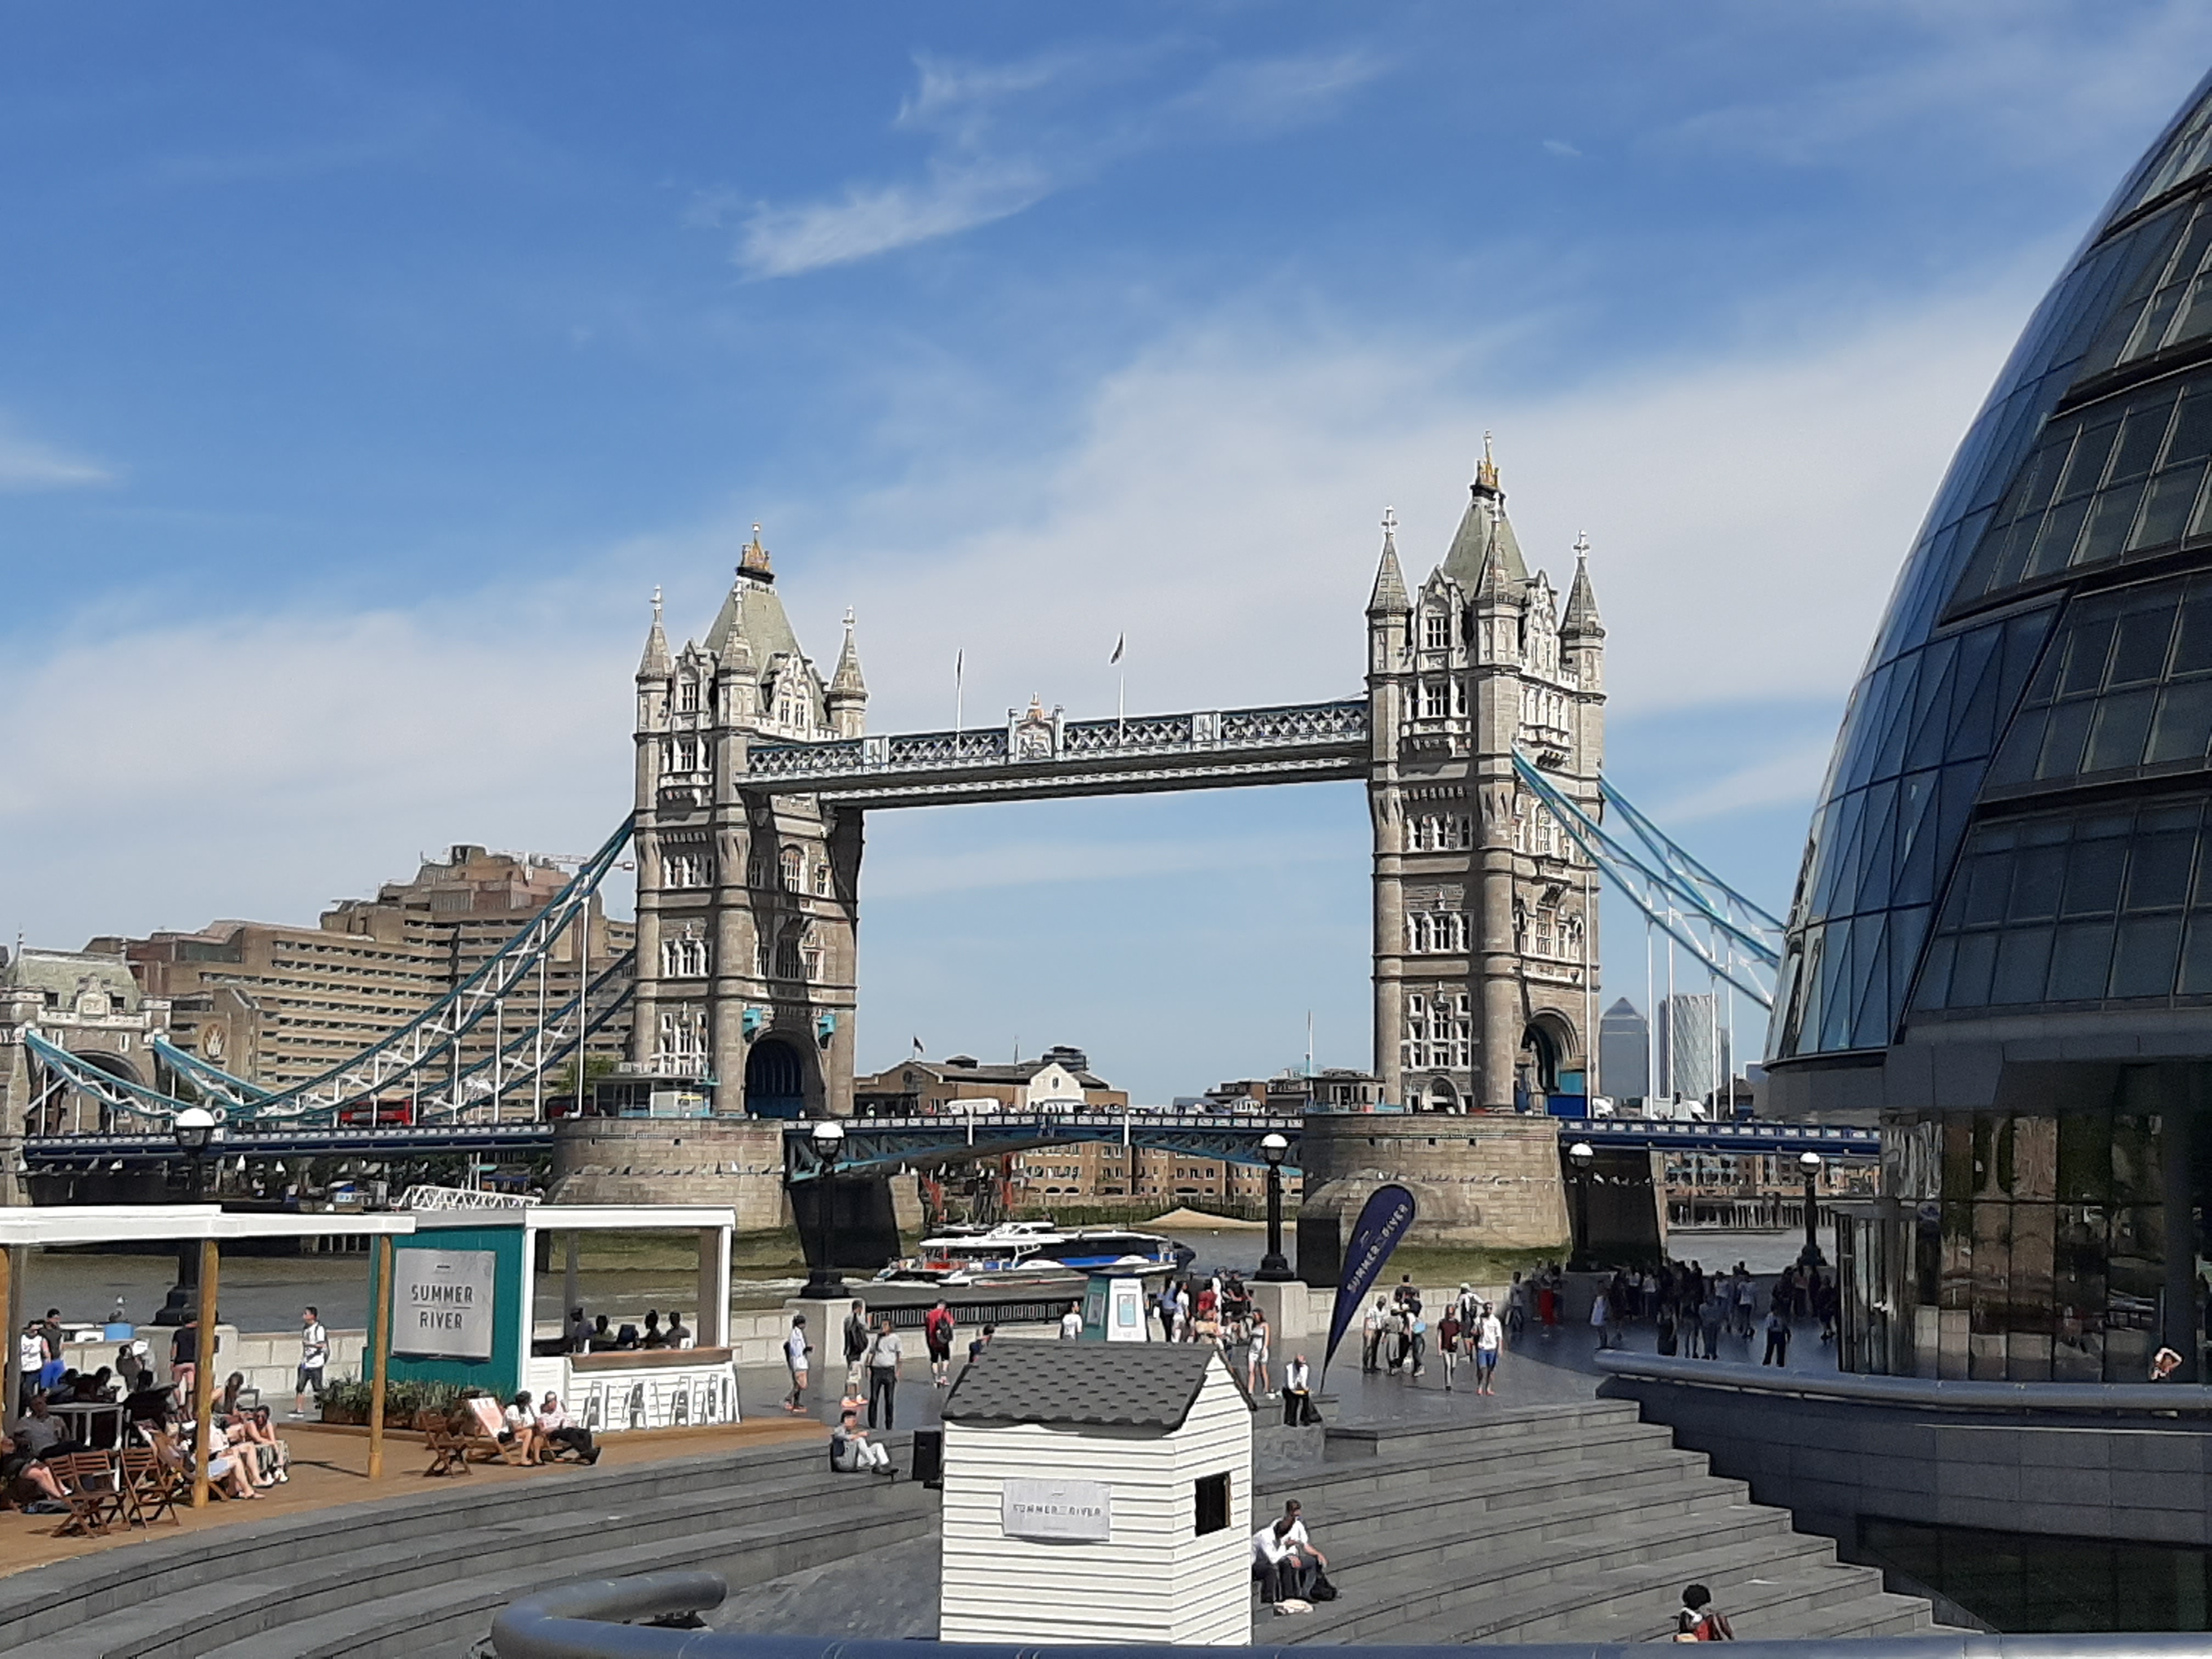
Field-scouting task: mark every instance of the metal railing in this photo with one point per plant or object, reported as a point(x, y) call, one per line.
point(586, 1621)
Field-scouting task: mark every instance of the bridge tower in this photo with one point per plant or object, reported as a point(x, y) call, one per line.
point(747, 903)
point(1485, 915)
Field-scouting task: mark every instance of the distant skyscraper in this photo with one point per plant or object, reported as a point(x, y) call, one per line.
point(1624, 1053)
point(1688, 1065)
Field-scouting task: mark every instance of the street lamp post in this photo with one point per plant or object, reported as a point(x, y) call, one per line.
point(194, 1127)
point(823, 1281)
point(1808, 1165)
point(1582, 1155)
point(1272, 1268)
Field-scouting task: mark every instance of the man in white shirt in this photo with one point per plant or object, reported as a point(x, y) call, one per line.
point(315, 1354)
point(1489, 1337)
point(885, 1354)
point(1275, 1564)
point(1071, 1324)
point(1370, 1331)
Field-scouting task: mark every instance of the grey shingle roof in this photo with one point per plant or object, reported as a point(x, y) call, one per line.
point(1146, 1385)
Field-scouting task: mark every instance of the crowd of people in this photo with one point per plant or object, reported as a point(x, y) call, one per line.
point(1691, 1311)
point(1395, 1335)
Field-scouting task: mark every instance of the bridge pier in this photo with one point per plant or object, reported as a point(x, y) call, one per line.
point(1480, 1181)
point(737, 1161)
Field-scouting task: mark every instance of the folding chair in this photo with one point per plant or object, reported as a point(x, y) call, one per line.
point(88, 1483)
point(149, 1486)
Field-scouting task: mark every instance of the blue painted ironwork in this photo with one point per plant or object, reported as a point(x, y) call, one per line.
point(877, 1143)
point(88, 1151)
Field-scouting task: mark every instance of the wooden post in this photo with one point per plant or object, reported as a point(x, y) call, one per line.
point(380, 1354)
point(11, 1366)
point(203, 1373)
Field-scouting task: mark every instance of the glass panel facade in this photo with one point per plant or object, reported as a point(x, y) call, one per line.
point(2030, 1247)
point(2092, 457)
point(2084, 907)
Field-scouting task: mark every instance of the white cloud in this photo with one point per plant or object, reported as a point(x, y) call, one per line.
point(26, 464)
point(993, 158)
point(1561, 147)
point(2054, 81)
point(786, 242)
point(1748, 512)
point(1790, 778)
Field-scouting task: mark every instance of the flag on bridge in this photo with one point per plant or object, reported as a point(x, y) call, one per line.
point(918, 1048)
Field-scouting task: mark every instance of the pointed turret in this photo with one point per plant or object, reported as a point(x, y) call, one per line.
point(752, 559)
point(1486, 534)
point(654, 665)
point(1581, 621)
point(848, 699)
point(1388, 599)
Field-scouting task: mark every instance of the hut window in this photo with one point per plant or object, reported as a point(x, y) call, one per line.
point(1212, 1492)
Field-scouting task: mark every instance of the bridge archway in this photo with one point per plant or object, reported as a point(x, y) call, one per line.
point(1547, 1047)
point(775, 1079)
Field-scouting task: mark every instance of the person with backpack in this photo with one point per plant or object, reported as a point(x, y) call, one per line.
point(1777, 1339)
point(1699, 1620)
point(857, 1336)
point(937, 1332)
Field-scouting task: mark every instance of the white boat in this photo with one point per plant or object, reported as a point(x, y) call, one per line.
point(1033, 1246)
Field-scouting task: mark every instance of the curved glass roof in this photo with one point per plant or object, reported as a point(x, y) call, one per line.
point(2043, 640)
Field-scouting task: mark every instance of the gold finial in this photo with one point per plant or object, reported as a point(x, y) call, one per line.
point(1486, 470)
point(753, 559)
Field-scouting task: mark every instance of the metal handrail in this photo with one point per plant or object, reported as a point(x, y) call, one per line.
point(1920, 1392)
point(580, 1621)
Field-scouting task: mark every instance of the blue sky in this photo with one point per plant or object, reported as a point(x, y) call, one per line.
point(362, 369)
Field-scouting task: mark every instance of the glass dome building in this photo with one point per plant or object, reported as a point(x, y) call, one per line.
point(2001, 942)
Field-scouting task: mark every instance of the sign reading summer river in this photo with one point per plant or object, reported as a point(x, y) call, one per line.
point(441, 1302)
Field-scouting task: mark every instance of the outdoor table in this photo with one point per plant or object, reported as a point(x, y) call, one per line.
point(81, 1416)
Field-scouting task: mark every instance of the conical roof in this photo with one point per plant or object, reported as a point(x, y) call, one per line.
point(846, 680)
point(1485, 537)
point(654, 665)
point(1581, 621)
point(753, 610)
point(1388, 599)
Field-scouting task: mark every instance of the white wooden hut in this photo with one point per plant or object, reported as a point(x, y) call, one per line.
point(1098, 1492)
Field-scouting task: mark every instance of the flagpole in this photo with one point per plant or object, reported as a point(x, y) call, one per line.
point(959, 667)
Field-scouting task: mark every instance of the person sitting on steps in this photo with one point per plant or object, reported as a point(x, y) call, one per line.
point(851, 1451)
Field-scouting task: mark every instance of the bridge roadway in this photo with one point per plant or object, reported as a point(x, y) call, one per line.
point(885, 1142)
point(1039, 756)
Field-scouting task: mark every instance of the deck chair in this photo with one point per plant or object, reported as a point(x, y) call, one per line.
point(150, 1487)
point(89, 1486)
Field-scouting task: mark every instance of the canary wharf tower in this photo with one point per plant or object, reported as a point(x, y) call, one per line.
point(2001, 942)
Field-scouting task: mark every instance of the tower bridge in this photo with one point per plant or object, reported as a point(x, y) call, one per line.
point(1478, 739)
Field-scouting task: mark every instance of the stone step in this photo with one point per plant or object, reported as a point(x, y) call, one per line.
point(1585, 1512)
point(1639, 1469)
point(1494, 1424)
point(1785, 1569)
point(67, 1593)
point(411, 1614)
point(1490, 1599)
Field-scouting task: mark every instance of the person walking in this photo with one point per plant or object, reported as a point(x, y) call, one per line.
point(1417, 1338)
point(1448, 1336)
point(1489, 1338)
point(1747, 1300)
point(884, 1357)
point(937, 1332)
point(1255, 1358)
point(857, 1336)
point(1516, 1308)
point(314, 1355)
point(1601, 1317)
point(795, 1350)
point(1777, 1339)
point(1371, 1330)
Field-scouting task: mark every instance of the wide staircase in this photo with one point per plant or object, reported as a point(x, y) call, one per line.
point(1549, 1524)
point(424, 1576)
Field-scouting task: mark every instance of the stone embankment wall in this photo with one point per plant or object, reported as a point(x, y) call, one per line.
point(1479, 1180)
point(737, 1161)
